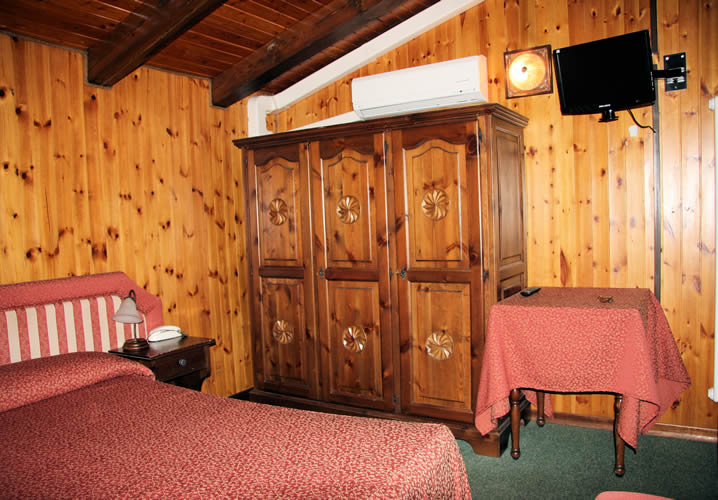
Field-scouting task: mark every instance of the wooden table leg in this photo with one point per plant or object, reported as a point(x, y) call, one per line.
point(540, 418)
point(620, 445)
point(514, 399)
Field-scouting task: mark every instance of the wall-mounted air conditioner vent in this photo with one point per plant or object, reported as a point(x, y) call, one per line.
point(458, 82)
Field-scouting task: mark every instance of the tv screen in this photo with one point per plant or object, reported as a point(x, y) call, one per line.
point(605, 76)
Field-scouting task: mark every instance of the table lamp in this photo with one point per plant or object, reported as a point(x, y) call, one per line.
point(127, 313)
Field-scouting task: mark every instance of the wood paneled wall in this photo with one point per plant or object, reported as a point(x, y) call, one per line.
point(591, 186)
point(141, 178)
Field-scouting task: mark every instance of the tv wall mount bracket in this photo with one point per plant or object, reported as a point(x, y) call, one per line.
point(674, 71)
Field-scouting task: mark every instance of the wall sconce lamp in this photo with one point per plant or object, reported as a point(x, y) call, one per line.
point(528, 72)
point(127, 313)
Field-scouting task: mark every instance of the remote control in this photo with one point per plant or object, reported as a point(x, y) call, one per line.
point(530, 291)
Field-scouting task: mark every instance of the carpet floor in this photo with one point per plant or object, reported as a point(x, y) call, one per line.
point(564, 462)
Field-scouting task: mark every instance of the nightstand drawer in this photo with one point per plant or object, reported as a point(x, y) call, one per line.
point(181, 363)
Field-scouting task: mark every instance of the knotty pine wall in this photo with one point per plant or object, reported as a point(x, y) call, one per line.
point(591, 186)
point(142, 178)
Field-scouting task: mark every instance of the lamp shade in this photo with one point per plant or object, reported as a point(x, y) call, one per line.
point(127, 312)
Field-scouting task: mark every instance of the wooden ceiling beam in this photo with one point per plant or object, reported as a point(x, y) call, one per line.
point(146, 31)
point(314, 34)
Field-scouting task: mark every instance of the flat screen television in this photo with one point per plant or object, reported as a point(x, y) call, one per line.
point(605, 76)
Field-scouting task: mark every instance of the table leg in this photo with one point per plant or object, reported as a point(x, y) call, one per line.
point(620, 445)
point(540, 419)
point(514, 399)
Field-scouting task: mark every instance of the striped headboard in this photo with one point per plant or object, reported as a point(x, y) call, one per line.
point(44, 318)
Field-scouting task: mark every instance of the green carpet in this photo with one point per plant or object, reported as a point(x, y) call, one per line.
point(560, 461)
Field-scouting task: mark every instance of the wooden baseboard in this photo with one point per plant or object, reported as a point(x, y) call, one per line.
point(659, 429)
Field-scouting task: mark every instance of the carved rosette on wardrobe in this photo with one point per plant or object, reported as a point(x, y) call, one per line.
point(435, 204)
point(439, 345)
point(278, 211)
point(282, 332)
point(348, 209)
point(354, 339)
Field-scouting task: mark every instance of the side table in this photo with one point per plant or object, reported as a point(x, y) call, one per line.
point(581, 340)
point(181, 361)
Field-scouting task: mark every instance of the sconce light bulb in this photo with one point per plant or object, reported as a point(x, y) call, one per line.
point(527, 71)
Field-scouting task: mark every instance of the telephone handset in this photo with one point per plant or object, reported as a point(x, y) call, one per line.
point(165, 332)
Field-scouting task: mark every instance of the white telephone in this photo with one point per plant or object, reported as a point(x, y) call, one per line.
point(165, 332)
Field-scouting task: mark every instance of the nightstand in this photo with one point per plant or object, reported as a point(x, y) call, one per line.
point(183, 361)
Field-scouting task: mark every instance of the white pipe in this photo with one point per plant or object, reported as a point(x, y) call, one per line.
point(349, 117)
point(713, 391)
point(259, 106)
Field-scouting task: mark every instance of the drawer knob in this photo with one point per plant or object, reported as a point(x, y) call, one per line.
point(182, 362)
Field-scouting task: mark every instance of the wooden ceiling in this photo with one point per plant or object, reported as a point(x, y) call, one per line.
point(242, 46)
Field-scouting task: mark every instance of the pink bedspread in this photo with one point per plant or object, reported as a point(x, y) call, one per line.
point(130, 436)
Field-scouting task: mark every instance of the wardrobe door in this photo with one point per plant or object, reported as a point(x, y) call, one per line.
point(284, 325)
point(507, 172)
point(439, 256)
point(351, 263)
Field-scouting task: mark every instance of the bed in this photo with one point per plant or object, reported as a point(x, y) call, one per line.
point(90, 424)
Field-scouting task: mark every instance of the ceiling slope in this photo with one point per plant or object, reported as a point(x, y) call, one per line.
point(311, 36)
point(142, 34)
point(242, 46)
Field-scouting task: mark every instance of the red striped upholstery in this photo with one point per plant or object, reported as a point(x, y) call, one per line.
point(45, 318)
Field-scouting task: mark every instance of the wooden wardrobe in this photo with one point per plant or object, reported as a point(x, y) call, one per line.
point(377, 249)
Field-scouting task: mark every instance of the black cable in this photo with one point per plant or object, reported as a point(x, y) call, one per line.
point(636, 122)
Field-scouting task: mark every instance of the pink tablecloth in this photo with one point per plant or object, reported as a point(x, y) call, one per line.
point(566, 340)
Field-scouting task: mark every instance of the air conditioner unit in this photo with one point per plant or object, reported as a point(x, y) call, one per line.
point(451, 83)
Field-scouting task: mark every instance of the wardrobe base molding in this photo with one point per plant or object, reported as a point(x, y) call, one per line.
point(492, 445)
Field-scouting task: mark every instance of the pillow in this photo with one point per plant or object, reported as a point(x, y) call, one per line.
point(30, 381)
